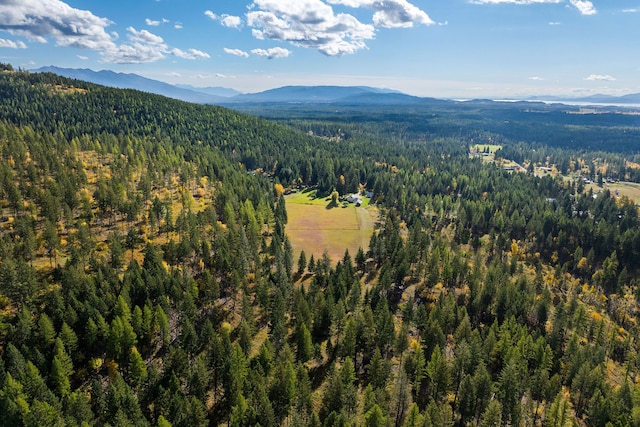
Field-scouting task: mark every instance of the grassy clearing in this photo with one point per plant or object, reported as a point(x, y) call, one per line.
point(307, 197)
point(479, 148)
point(619, 189)
point(314, 227)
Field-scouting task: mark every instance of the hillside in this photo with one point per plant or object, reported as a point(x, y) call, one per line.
point(134, 81)
point(147, 276)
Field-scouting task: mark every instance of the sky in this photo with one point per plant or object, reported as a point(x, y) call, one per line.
point(507, 49)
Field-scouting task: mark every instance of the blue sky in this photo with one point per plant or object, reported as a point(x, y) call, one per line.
point(440, 48)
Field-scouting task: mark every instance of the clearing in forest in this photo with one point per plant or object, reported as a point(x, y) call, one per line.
point(315, 225)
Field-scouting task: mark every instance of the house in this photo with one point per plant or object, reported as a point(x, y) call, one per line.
point(353, 198)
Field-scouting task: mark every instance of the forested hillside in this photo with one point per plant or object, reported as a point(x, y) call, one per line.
point(146, 277)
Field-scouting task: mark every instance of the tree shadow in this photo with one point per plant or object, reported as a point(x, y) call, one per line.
point(332, 204)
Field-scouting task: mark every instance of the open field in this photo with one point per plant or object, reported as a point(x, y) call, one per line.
point(314, 227)
point(619, 189)
point(479, 148)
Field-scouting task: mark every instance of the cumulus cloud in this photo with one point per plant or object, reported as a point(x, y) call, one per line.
point(225, 20)
point(39, 19)
point(84, 58)
point(236, 52)
point(309, 23)
point(190, 54)
point(231, 21)
point(143, 47)
point(273, 53)
point(178, 25)
point(599, 77)
point(390, 13)
point(584, 6)
point(536, 78)
point(12, 44)
point(42, 20)
point(144, 36)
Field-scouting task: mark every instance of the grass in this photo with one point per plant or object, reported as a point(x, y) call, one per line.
point(481, 147)
point(629, 189)
point(307, 197)
point(315, 225)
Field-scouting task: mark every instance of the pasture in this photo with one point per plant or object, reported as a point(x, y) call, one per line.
point(315, 226)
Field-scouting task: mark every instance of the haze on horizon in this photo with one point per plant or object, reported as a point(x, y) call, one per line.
point(449, 49)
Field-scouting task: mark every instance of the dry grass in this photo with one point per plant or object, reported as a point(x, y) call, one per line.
point(315, 228)
point(629, 189)
point(478, 148)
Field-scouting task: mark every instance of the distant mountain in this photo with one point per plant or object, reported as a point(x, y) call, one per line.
point(339, 95)
point(133, 81)
point(217, 91)
point(310, 94)
point(219, 95)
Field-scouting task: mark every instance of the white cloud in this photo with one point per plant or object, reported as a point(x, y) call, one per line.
point(190, 54)
point(225, 20)
point(178, 25)
point(630, 10)
point(308, 23)
point(598, 77)
point(230, 21)
point(143, 47)
point(536, 78)
point(39, 19)
point(273, 53)
point(515, 1)
point(144, 36)
point(84, 58)
point(236, 52)
point(584, 6)
point(174, 74)
point(12, 44)
point(153, 23)
point(390, 13)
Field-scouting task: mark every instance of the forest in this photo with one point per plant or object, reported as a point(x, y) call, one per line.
point(146, 276)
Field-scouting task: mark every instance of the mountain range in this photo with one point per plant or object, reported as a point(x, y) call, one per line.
point(134, 81)
point(342, 95)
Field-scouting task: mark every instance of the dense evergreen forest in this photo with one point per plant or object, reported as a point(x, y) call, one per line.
point(146, 276)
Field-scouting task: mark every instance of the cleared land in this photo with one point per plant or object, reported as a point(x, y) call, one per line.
point(619, 189)
point(491, 148)
point(314, 226)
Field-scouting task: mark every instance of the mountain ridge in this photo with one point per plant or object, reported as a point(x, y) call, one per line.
point(132, 81)
point(329, 94)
